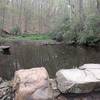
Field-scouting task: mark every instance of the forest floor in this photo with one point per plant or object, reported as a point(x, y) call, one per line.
point(39, 39)
point(25, 37)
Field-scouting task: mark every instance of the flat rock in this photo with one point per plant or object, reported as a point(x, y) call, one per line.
point(80, 80)
point(90, 66)
point(4, 47)
point(32, 84)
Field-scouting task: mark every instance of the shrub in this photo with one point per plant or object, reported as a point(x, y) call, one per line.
point(88, 38)
point(15, 30)
point(88, 33)
point(59, 32)
point(65, 25)
point(53, 35)
point(70, 37)
point(92, 23)
point(74, 31)
point(76, 26)
point(58, 36)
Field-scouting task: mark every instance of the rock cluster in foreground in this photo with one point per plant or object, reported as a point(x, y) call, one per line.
point(34, 84)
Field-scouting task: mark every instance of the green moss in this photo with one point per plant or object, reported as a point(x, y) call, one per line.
point(33, 37)
point(25, 37)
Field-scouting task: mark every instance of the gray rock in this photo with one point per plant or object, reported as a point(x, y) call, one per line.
point(55, 91)
point(90, 66)
point(6, 91)
point(82, 80)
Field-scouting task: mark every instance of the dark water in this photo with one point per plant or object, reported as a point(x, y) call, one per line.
point(52, 57)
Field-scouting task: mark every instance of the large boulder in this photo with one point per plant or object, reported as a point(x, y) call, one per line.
point(80, 80)
point(32, 84)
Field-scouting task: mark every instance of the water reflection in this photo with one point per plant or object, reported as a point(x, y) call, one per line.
point(53, 57)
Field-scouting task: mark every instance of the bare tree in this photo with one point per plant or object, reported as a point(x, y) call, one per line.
point(98, 6)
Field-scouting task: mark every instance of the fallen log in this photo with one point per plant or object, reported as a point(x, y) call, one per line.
point(4, 48)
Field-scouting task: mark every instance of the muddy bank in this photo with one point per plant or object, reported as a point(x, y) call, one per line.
point(32, 42)
point(40, 42)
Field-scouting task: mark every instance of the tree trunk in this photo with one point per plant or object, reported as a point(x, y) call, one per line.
point(81, 14)
point(98, 7)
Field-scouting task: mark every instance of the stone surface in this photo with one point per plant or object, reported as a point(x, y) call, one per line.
point(6, 92)
point(55, 91)
point(32, 84)
point(90, 66)
point(82, 80)
point(89, 96)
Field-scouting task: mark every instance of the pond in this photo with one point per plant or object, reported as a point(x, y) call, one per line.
point(52, 57)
